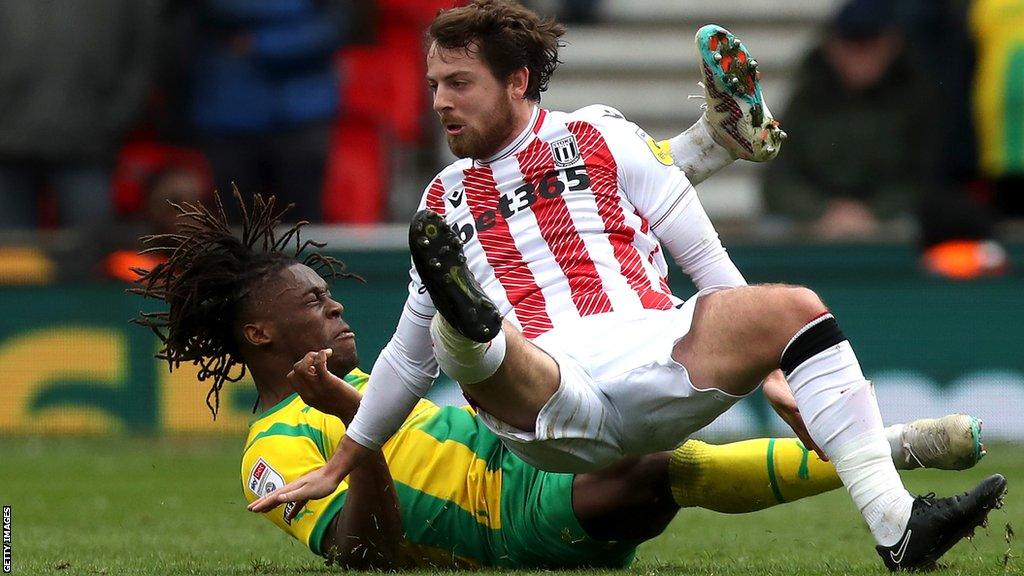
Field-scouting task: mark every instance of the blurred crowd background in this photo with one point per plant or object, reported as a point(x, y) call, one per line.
point(905, 117)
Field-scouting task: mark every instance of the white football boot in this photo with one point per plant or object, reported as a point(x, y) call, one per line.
point(952, 442)
point(735, 109)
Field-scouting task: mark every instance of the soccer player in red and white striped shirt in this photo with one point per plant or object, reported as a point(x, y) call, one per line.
point(542, 252)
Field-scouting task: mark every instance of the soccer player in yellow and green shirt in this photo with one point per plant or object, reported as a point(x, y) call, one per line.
point(444, 492)
point(465, 501)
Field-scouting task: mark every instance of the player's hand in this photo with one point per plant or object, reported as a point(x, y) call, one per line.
point(779, 395)
point(316, 484)
point(321, 389)
point(312, 486)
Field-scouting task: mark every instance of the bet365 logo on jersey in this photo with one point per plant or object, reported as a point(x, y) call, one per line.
point(548, 187)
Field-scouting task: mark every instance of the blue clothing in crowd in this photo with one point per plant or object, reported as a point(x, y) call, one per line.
point(266, 65)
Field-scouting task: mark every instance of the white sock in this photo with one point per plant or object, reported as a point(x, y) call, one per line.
point(894, 435)
point(697, 154)
point(839, 407)
point(869, 474)
point(465, 360)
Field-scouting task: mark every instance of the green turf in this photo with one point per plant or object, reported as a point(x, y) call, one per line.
point(117, 506)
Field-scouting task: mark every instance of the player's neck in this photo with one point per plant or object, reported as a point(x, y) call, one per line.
point(523, 116)
point(271, 385)
point(523, 113)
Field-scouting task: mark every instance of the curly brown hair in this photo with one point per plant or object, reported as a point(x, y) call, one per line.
point(209, 274)
point(506, 35)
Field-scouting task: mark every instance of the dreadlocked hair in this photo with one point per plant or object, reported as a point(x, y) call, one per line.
point(208, 274)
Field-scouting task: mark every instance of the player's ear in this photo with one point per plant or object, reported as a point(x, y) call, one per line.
point(257, 334)
point(518, 81)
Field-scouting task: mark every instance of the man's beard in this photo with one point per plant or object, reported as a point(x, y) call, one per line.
point(485, 142)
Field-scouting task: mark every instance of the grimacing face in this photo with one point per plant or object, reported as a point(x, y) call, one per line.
point(305, 318)
point(474, 107)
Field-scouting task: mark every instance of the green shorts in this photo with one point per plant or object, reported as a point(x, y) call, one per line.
point(539, 527)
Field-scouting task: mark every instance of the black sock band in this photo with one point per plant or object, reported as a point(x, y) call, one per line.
point(820, 334)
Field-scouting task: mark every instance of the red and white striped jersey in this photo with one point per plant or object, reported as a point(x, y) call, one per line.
point(559, 229)
point(557, 226)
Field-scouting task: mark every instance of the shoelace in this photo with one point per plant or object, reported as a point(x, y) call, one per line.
point(931, 500)
point(703, 105)
point(910, 454)
point(927, 499)
point(931, 441)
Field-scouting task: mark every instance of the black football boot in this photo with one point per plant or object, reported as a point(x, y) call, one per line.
point(458, 297)
point(936, 524)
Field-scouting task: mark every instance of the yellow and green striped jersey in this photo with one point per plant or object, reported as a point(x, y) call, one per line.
point(998, 29)
point(465, 500)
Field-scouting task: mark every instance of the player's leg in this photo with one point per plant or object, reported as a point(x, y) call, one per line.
point(755, 474)
point(738, 336)
point(696, 152)
point(509, 377)
point(735, 108)
point(747, 476)
point(629, 501)
point(736, 122)
point(505, 374)
point(638, 497)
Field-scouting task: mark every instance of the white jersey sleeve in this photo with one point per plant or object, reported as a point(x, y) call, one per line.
point(660, 192)
point(403, 373)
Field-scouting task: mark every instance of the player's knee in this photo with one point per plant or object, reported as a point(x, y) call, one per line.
point(801, 304)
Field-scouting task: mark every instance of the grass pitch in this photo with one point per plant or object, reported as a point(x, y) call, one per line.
point(134, 506)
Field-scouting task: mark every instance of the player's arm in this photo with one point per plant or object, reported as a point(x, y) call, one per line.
point(661, 193)
point(404, 372)
point(401, 376)
point(366, 533)
point(687, 234)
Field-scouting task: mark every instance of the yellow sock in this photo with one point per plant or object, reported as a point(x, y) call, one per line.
point(747, 476)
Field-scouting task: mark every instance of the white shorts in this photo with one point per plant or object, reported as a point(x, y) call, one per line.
point(620, 394)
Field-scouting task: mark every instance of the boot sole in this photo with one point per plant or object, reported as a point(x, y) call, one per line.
point(438, 257)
